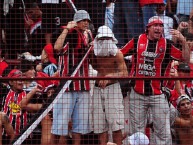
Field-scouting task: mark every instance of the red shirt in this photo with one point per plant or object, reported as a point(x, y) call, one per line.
point(150, 59)
point(3, 66)
point(146, 2)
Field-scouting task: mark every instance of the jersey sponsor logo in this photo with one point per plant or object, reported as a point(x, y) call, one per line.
point(146, 59)
point(150, 54)
point(14, 108)
point(141, 46)
point(146, 73)
point(147, 70)
point(161, 50)
point(148, 67)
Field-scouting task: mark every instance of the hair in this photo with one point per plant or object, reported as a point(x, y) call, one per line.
point(31, 4)
point(184, 67)
point(183, 98)
point(26, 65)
point(91, 27)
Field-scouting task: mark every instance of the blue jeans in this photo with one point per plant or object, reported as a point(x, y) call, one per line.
point(75, 106)
point(127, 21)
point(148, 12)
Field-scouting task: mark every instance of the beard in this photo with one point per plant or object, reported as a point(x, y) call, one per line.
point(105, 47)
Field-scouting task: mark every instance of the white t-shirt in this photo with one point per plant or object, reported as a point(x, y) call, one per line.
point(168, 24)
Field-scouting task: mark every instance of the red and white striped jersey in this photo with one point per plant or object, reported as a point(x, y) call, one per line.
point(150, 59)
point(74, 50)
point(17, 117)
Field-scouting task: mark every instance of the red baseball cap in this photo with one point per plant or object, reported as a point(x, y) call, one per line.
point(155, 20)
point(15, 73)
point(50, 52)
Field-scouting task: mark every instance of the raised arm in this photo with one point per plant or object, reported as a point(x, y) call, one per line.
point(186, 51)
point(60, 40)
point(25, 105)
point(177, 37)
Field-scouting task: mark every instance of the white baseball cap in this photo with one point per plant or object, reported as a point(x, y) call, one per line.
point(138, 138)
point(81, 15)
point(155, 20)
point(182, 97)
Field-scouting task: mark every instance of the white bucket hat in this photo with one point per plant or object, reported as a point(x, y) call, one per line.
point(105, 31)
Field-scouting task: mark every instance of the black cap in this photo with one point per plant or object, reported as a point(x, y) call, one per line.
point(184, 67)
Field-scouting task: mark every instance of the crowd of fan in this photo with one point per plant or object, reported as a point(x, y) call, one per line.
point(31, 46)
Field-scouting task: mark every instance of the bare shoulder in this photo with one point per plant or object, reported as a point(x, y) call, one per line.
point(181, 122)
point(119, 52)
point(119, 55)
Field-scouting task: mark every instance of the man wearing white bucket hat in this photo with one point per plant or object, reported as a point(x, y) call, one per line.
point(107, 97)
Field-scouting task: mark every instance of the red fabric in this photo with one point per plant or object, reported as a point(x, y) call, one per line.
point(3, 66)
point(184, 88)
point(50, 52)
point(148, 132)
point(147, 2)
point(141, 68)
point(15, 73)
point(174, 97)
point(45, 83)
point(155, 22)
point(191, 69)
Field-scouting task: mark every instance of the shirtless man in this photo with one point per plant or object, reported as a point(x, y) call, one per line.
point(184, 123)
point(108, 108)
